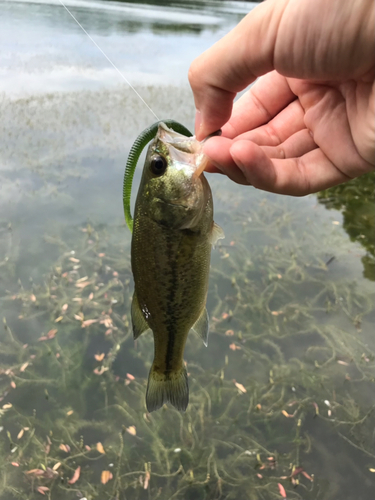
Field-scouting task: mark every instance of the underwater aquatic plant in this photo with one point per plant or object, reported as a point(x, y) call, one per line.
point(290, 354)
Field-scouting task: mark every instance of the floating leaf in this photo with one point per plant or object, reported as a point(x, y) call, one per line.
point(131, 430)
point(15, 464)
point(57, 320)
point(52, 333)
point(344, 363)
point(73, 259)
point(56, 466)
point(107, 322)
point(282, 490)
point(32, 298)
point(309, 477)
point(70, 412)
point(240, 387)
point(286, 414)
point(316, 408)
point(234, 347)
point(296, 471)
point(91, 296)
point(147, 479)
point(13, 384)
point(24, 366)
point(82, 279)
point(42, 489)
point(100, 448)
point(76, 475)
point(130, 376)
point(83, 284)
point(106, 476)
point(21, 433)
point(64, 307)
point(99, 357)
point(88, 322)
point(35, 472)
point(101, 370)
point(64, 447)
point(7, 406)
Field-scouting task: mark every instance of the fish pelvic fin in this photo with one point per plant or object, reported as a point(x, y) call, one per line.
point(216, 234)
point(138, 321)
point(171, 387)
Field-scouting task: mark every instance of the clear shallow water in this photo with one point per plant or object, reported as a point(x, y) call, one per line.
point(290, 324)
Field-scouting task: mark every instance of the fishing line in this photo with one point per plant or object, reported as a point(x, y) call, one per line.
point(109, 60)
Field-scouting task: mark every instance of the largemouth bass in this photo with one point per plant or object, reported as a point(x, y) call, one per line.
point(170, 254)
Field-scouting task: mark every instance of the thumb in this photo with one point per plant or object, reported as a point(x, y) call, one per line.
point(234, 62)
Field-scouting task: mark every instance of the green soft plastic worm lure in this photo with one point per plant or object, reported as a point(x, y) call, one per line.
point(140, 143)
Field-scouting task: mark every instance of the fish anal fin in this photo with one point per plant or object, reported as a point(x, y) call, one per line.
point(201, 326)
point(169, 387)
point(216, 234)
point(138, 321)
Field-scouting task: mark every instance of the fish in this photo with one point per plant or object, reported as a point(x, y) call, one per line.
point(173, 233)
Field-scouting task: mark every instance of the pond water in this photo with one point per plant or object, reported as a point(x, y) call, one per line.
point(283, 397)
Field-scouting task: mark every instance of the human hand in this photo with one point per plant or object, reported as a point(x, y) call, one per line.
point(309, 122)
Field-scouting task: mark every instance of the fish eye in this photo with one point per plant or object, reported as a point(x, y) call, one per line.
point(158, 165)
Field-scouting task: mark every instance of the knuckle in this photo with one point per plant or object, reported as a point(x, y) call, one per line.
point(196, 75)
point(192, 73)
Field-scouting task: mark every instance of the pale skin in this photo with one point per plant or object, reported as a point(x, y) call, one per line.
point(309, 122)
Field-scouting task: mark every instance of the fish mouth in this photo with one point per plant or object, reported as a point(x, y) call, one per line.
point(171, 203)
point(185, 151)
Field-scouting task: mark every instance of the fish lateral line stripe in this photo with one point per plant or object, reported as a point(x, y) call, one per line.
point(109, 60)
point(171, 329)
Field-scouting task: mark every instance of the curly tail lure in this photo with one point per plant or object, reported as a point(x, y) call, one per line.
point(135, 152)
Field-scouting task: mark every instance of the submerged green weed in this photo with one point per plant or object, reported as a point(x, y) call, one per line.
point(289, 359)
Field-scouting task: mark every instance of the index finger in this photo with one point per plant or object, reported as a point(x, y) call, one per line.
point(232, 64)
point(269, 95)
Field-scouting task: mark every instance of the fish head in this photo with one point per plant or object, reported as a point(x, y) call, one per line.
point(174, 191)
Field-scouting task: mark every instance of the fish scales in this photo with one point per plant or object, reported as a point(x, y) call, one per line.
point(177, 261)
point(171, 248)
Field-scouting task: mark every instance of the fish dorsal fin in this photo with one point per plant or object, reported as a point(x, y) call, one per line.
point(138, 321)
point(201, 326)
point(216, 234)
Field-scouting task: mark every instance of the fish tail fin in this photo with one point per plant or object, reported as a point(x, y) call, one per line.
point(169, 387)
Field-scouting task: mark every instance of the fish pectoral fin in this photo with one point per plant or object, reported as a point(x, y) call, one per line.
point(138, 321)
point(216, 234)
point(171, 387)
point(201, 326)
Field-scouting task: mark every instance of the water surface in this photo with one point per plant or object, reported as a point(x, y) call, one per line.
point(284, 393)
